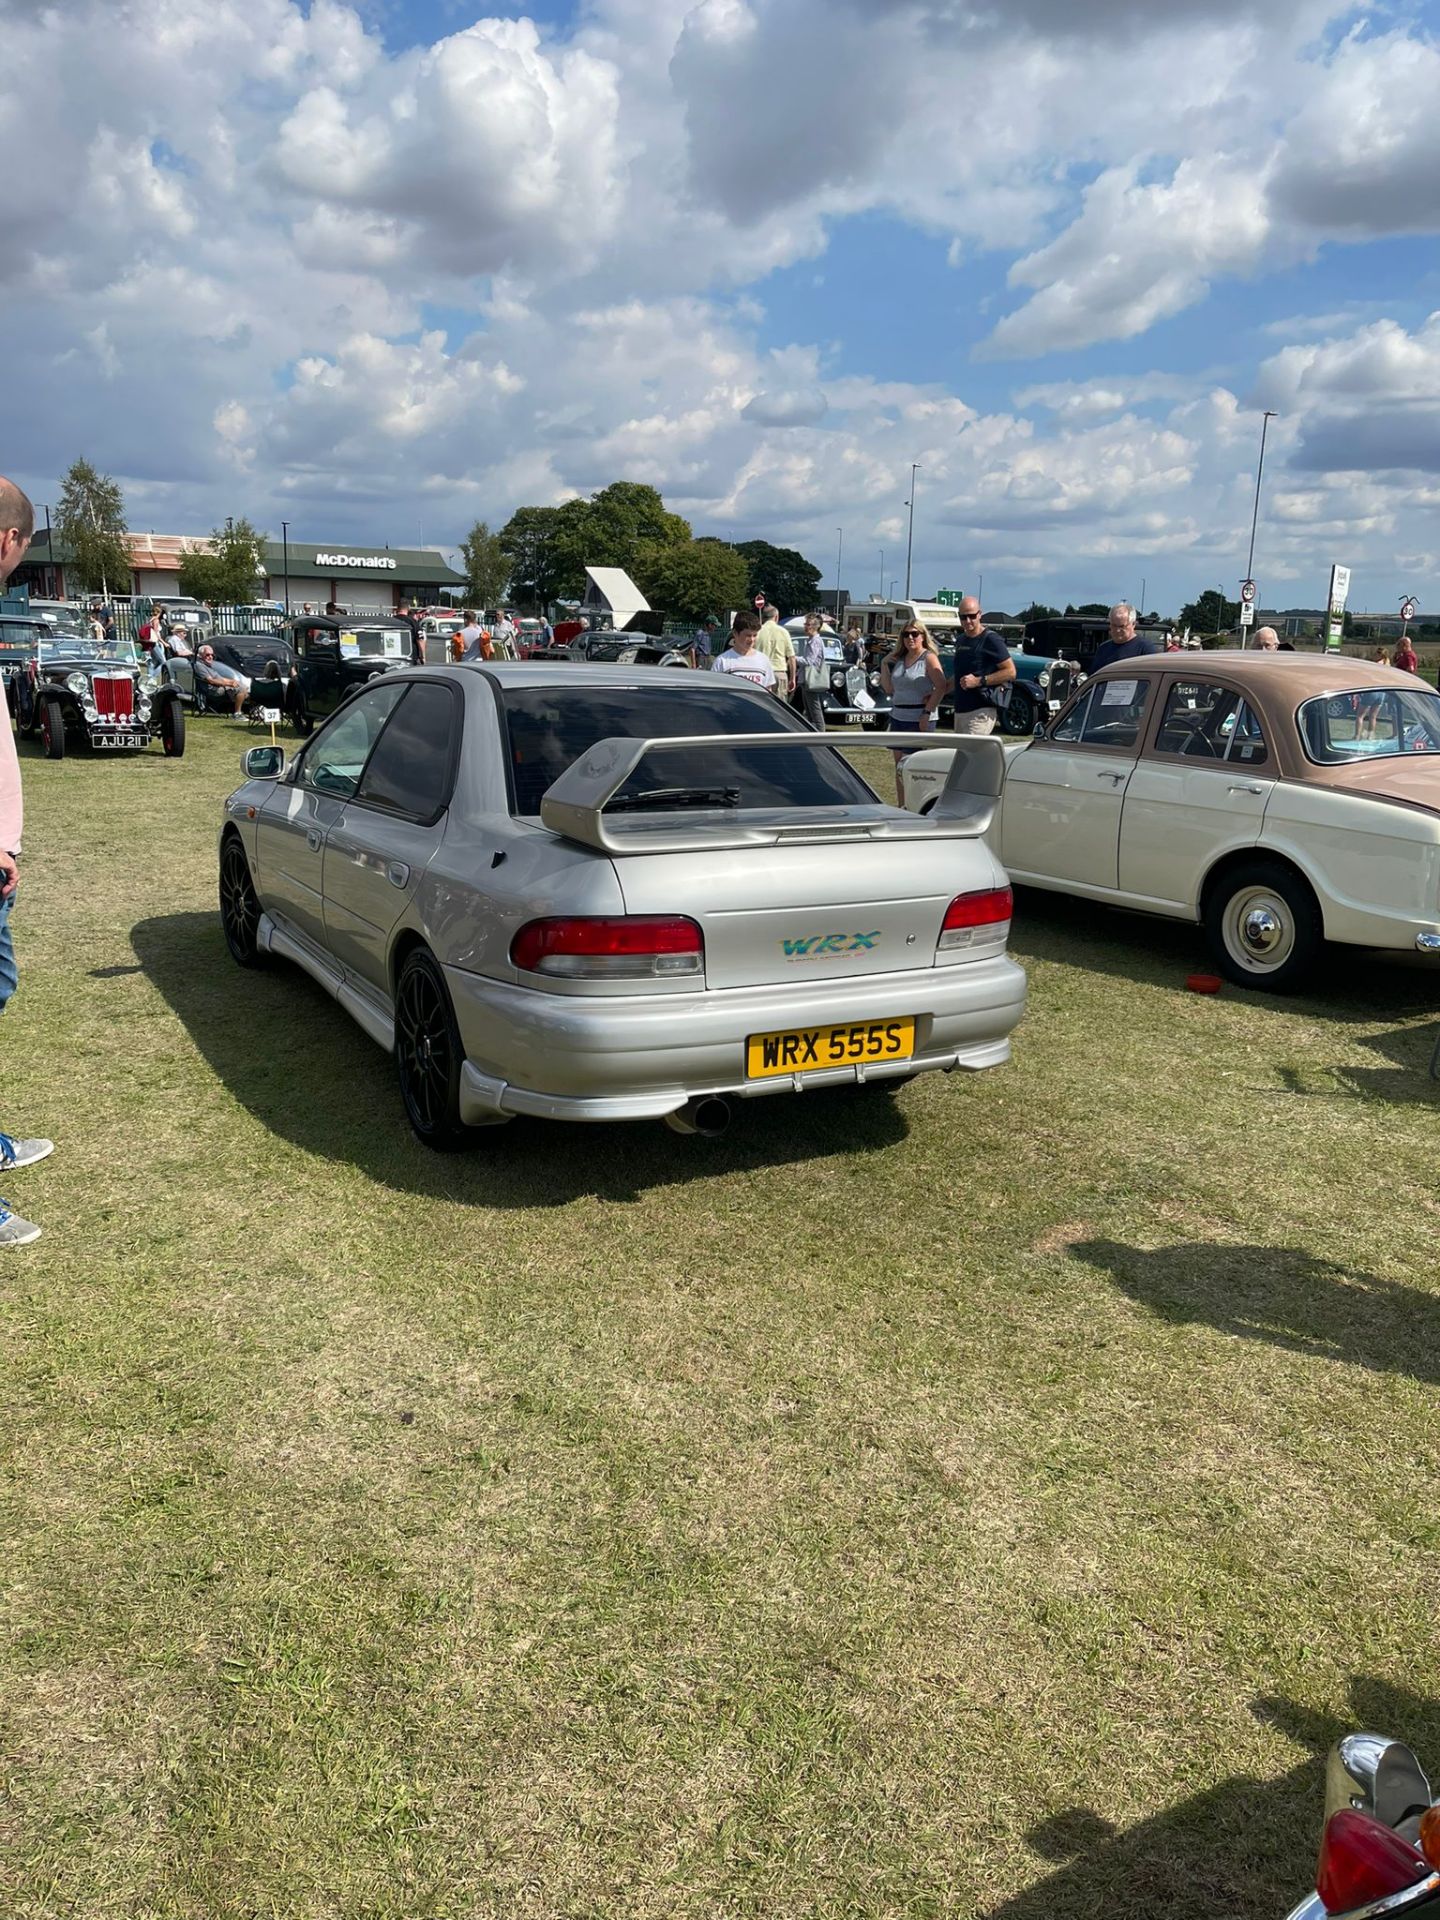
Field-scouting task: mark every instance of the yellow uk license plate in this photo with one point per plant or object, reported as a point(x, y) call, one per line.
point(809, 1049)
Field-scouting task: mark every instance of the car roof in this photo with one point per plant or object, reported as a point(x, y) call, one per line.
point(590, 676)
point(1290, 676)
point(345, 621)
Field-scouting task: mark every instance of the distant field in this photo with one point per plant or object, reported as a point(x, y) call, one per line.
point(985, 1501)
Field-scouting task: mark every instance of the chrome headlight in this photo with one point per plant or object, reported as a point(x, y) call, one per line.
point(1044, 676)
point(144, 708)
point(77, 683)
point(92, 713)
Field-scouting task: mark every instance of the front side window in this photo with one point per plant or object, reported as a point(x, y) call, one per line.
point(412, 768)
point(335, 759)
point(1372, 724)
point(1107, 714)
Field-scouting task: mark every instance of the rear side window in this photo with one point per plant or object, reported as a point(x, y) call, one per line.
point(412, 769)
point(549, 728)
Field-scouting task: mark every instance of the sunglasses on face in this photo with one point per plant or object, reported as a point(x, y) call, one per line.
point(969, 616)
point(912, 633)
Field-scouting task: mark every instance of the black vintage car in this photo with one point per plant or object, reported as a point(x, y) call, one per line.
point(78, 691)
point(334, 656)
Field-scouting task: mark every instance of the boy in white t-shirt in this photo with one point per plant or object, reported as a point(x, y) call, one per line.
point(741, 658)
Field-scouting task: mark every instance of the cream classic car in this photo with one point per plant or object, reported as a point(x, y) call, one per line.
point(1280, 801)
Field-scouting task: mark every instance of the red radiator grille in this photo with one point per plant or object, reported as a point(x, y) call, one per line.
point(114, 696)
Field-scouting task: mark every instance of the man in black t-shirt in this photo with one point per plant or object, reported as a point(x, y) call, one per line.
point(1122, 644)
point(982, 660)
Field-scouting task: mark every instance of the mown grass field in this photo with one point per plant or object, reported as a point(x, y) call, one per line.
point(984, 1502)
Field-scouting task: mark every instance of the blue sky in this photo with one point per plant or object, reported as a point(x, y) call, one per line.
point(395, 266)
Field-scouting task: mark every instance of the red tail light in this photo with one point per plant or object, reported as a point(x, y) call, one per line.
point(1362, 1860)
point(638, 946)
point(967, 917)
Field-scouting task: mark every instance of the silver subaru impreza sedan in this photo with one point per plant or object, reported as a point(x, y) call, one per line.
point(608, 893)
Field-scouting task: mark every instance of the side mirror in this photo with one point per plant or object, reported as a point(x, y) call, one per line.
point(1039, 730)
point(263, 763)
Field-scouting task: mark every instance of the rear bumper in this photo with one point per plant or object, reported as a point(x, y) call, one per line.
point(567, 1057)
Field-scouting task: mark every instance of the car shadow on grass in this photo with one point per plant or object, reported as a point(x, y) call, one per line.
point(286, 1051)
point(1352, 986)
point(1238, 1851)
point(1283, 1295)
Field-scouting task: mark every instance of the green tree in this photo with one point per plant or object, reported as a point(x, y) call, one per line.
point(1037, 610)
point(692, 579)
point(1092, 610)
point(487, 567)
point(1211, 613)
point(781, 574)
point(226, 571)
point(549, 548)
point(91, 523)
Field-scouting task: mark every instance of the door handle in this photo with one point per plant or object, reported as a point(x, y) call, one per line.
point(1116, 777)
point(398, 874)
point(1245, 789)
point(314, 840)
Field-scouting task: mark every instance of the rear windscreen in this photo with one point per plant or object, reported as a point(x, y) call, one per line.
point(548, 729)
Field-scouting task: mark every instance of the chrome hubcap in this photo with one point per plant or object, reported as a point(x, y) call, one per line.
point(1259, 930)
point(1262, 932)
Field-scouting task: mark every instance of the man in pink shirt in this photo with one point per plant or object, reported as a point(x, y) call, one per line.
point(17, 523)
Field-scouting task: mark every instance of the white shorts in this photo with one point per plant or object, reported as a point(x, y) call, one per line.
point(982, 720)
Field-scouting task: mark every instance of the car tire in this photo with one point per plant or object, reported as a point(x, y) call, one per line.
point(1264, 926)
point(172, 730)
point(1021, 714)
point(239, 906)
point(52, 727)
point(429, 1054)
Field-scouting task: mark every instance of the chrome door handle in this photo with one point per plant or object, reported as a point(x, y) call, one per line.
point(398, 874)
point(314, 840)
point(1245, 789)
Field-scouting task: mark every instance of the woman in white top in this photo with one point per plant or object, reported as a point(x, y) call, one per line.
point(914, 680)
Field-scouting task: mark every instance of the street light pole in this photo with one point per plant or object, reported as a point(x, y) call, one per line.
point(882, 573)
point(910, 541)
point(839, 557)
point(285, 536)
point(1255, 516)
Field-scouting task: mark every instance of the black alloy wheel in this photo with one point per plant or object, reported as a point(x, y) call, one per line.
point(1021, 714)
point(172, 729)
point(239, 906)
point(429, 1054)
point(52, 727)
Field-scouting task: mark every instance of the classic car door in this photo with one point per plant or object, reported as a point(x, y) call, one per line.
point(319, 670)
point(1200, 789)
point(1060, 813)
point(299, 815)
point(387, 835)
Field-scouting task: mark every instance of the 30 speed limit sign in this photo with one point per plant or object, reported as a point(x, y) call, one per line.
point(1247, 592)
point(1409, 609)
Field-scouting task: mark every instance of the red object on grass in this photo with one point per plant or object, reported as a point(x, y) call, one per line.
point(1204, 982)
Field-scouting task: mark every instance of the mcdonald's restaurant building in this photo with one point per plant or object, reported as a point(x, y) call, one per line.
point(361, 579)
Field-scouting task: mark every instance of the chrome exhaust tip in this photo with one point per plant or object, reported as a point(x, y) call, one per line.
point(708, 1116)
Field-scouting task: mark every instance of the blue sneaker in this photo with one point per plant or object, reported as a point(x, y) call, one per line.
point(22, 1153)
point(15, 1232)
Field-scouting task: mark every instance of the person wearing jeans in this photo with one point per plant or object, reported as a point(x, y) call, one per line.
point(17, 523)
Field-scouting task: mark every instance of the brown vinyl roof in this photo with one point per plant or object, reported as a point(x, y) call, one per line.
point(1282, 677)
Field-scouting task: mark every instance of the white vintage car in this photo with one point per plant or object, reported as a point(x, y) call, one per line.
point(1278, 800)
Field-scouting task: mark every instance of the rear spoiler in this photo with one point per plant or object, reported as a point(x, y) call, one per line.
point(575, 805)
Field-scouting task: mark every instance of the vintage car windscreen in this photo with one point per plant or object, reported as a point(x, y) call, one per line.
point(1371, 724)
point(83, 647)
point(19, 641)
point(549, 729)
point(378, 643)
